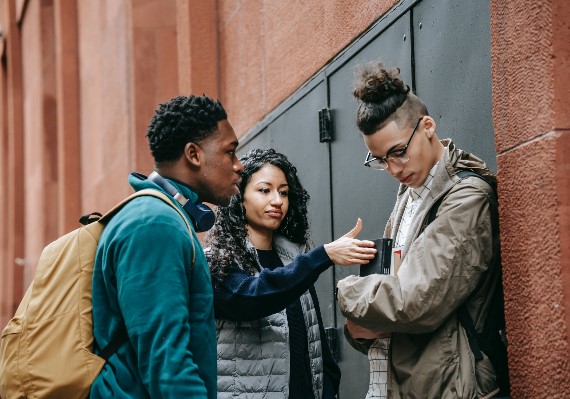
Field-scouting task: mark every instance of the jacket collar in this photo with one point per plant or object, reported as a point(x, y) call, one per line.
point(285, 248)
point(138, 184)
point(452, 160)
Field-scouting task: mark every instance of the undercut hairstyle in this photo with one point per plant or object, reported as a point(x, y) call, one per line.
point(228, 238)
point(384, 97)
point(182, 120)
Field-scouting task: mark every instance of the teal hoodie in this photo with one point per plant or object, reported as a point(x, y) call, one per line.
point(143, 280)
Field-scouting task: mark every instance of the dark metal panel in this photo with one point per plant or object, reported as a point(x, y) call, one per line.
point(284, 107)
point(453, 71)
point(261, 140)
point(296, 134)
point(358, 191)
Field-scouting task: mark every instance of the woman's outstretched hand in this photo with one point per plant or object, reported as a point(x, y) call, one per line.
point(347, 250)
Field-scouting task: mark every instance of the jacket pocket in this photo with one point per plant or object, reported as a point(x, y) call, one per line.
point(485, 379)
point(485, 375)
point(10, 382)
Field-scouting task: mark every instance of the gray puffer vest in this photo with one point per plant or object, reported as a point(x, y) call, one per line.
point(254, 356)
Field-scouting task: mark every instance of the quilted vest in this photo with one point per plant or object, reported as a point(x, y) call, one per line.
point(254, 356)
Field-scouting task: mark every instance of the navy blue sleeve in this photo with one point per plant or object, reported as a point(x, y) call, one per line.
point(242, 297)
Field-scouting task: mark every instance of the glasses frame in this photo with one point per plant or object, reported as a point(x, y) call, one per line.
point(384, 160)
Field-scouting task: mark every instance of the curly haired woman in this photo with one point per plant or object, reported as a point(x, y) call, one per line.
point(271, 340)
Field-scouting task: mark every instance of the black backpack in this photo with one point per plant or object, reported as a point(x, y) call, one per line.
point(493, 340)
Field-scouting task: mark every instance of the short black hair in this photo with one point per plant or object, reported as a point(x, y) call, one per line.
point(182, 120)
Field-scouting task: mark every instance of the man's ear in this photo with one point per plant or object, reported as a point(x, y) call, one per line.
point(193, 154)
point(429, 125)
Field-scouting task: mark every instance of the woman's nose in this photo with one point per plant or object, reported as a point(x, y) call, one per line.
point(276, 199)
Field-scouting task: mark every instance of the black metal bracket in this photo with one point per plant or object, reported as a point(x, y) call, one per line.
point(325, 126)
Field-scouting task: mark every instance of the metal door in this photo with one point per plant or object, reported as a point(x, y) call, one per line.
point(261, 140)
point(358, 191)
point(295, 133)
point(453, 71)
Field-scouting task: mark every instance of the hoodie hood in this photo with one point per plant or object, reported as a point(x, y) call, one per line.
point(454, 158)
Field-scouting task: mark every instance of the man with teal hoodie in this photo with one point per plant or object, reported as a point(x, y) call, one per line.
point(151, 284)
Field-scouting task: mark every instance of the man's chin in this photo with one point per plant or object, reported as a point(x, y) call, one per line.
point(222, 201)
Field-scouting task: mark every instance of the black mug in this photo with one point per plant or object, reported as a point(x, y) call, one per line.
point(382, 261)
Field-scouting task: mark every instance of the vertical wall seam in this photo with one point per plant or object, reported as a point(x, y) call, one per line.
point(217, 27)
point(412, 50)
point(331, 207)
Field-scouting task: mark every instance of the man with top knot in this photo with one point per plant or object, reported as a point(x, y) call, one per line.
point(427, 329)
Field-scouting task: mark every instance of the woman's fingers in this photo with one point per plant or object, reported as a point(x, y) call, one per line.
point(364, 250)
point(359, 261)
point(365, 243)
point(346, 251)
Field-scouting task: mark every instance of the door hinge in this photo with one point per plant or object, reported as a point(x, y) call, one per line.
point(325, 126)
point(331, 334)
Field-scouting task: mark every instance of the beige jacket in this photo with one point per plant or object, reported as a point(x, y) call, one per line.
point(455, 259)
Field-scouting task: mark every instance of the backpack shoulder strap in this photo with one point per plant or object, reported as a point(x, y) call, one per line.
point(462, 174)
point(499, 356)
point(157, 194)
point(121, 336)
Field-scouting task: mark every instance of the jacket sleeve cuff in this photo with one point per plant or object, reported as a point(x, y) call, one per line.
point(360, 344)
point(320, 257)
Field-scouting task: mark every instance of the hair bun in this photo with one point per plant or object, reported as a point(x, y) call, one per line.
point(374, 83)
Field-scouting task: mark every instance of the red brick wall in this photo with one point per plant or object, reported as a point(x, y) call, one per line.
point(40, 128)
point(531, 107)
point(13, 217)
point(269, 48)
point(5, 270)
point(105, 109)
point(154, 70)
point(197, 39)
point(67, 95)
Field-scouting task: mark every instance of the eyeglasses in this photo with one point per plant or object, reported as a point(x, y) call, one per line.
point(397, 156)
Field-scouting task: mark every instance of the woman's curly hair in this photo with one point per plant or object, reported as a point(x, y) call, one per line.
point(227, 239)
point(383, 95)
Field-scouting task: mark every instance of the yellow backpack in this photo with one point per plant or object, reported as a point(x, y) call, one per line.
point(46, 349)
